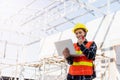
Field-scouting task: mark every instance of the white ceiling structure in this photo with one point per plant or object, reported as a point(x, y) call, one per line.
point(23, 22)
point(26, 22)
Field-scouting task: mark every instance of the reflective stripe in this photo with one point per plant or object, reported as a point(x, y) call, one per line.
point(79, 52)
point(83, 63)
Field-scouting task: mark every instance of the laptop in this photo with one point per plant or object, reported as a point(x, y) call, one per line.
point(61, 45)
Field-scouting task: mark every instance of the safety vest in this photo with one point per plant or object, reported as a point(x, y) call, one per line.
point(81, 64)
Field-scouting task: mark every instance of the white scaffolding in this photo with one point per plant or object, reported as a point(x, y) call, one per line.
point(26, 27)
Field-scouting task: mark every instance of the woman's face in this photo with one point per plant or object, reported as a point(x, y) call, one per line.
point(80, 33)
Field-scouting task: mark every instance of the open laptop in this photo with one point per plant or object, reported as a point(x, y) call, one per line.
point(61, 45)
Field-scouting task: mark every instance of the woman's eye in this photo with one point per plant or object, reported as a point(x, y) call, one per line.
point(80, 32)
point(76, 33)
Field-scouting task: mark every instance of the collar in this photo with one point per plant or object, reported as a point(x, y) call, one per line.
point(85, 42)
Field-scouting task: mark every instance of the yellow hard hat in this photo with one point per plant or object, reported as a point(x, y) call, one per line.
point(79, 26)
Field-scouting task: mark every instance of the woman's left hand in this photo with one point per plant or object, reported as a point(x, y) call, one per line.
point(66, 53)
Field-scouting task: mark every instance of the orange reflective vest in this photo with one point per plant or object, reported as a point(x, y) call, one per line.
point(81, 65)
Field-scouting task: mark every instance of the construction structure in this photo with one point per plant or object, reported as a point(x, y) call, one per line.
point(28, 30)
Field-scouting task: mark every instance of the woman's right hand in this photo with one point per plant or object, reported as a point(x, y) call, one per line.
point(66, 53)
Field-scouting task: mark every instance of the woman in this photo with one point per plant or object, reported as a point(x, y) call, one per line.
point(81, 65)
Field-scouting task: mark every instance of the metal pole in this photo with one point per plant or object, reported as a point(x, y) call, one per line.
point(43, 74)
point(107, 30)
point(98, 28)
point(16, 71)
